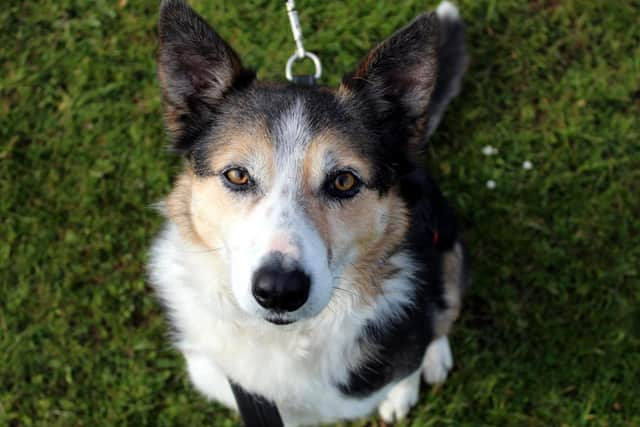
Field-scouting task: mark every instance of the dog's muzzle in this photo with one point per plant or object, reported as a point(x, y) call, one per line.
point(280, 284)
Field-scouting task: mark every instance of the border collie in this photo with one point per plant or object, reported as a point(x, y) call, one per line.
point(307, 256)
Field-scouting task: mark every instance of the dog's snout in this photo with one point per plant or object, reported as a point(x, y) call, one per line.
point(280, 289)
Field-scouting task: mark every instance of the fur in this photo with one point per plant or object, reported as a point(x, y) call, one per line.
point(385, 263)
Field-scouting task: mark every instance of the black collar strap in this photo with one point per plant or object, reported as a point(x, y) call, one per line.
point(304, 80)
point(255, 410)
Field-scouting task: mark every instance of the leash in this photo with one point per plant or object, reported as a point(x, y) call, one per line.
point(300, 52)
point(256, 410)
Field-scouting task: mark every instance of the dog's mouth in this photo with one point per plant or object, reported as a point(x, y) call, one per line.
point(279, 320)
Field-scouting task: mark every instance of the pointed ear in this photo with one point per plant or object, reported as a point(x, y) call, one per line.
point(196, 70)
point(398, 76)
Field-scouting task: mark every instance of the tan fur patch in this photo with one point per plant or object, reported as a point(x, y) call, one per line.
point(330, 144)
point(375, 225)
point(378, 242)
point(198, 206)
point(250, 148)
point(178, 205)
point(202, 207)
point(344, 93)
point(327, 145)
point(452, 278)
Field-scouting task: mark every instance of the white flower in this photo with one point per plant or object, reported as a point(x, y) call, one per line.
point(491, 184)
point(527, 165)
point(488, 150)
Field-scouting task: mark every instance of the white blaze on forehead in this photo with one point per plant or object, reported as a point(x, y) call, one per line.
point(292, 129)
point(291, 138)
point(279, 223)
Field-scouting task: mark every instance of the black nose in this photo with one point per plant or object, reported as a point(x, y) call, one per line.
point(280, 289)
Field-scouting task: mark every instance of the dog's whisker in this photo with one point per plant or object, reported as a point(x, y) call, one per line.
point(346, 291)
point(204, 251)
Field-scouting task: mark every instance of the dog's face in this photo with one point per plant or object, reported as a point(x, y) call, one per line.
point(291, 203)
point(295, 189)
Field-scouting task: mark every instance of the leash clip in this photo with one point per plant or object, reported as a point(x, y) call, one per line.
point(300, 52)
point(305, 79)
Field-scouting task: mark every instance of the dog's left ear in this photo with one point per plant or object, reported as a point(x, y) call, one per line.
point(197, 70)
point(398, 76)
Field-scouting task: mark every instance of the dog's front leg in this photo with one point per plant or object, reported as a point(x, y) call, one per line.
point(400, 399)
point(209, 379)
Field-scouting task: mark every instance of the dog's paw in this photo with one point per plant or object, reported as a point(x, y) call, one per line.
point(400, 399)
point(437, 361)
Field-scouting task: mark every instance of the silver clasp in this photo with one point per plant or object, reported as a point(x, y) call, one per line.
point(300, 53)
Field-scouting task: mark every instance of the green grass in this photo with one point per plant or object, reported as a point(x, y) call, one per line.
point(550, 333)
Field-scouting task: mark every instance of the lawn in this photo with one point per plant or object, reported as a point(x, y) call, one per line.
point(550, 333)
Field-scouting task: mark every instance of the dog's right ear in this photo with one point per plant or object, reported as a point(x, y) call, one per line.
point(197, 69)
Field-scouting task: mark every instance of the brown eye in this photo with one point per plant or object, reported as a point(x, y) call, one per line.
point(343, 185)
point(345, 181)
point(237, 178)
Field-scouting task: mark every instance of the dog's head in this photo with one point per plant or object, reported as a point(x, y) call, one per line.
point(295, 189)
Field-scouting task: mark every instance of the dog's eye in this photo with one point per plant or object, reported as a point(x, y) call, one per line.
point(345, 181)
point(344, 184)
point(237, 178)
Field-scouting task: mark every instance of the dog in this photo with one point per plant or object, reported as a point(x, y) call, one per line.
point(307, 256)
